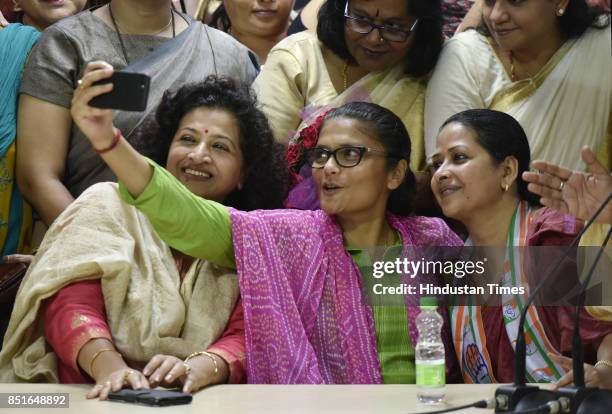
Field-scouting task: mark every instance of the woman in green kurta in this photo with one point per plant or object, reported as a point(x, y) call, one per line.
point(301, 288)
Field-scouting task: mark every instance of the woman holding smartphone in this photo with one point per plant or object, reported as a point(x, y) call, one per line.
point(55, 163)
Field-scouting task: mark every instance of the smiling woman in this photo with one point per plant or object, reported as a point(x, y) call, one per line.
point(540, 61)
point(376, 51)
point(478, 163)
point(365, 50)
point(321, 257)
point(205, 133)
point(126, 310)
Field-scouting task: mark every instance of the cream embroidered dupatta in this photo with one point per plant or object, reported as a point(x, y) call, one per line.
point(148, 309)
point(392, 89)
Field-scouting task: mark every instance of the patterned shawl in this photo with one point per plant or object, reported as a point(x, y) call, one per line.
point(148, 309)
point(301, 291)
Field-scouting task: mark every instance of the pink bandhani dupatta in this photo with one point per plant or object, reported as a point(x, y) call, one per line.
point(305, 320)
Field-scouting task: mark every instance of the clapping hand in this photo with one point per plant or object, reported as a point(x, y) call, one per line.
point(577, 193)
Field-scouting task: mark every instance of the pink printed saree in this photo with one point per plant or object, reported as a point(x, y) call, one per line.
point(304, 316)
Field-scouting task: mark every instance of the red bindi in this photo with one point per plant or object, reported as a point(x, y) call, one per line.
point(206, 131)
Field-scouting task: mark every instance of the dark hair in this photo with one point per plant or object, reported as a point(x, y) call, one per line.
point(578, 17)
point(389, 130)
point(220, 19)
point(501, 136)
point(428, 37)
point(266, 177)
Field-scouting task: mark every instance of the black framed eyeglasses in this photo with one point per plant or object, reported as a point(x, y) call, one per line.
point(364, 26)
point(345, 157)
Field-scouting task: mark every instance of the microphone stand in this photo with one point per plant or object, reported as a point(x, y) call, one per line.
point(520, 396)
point(582, 399)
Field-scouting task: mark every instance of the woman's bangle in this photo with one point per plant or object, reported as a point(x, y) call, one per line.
point(208, 354)
point(113, 144)
point(97, 354)
point(603, 363)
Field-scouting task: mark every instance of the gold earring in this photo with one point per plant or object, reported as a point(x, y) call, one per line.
point(505, 187)
point(560, 12)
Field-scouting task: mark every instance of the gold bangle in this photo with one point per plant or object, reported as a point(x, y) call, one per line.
point(208, 354)
point(603, 362)
point(96, 355)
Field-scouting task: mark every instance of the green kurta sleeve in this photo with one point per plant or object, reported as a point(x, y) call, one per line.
point(188, 223)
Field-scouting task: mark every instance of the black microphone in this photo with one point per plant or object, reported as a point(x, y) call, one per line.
point(582, 399)
point(520, 396)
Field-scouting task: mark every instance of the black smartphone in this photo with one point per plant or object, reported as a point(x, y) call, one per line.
point(160, 398)
point(130, 92)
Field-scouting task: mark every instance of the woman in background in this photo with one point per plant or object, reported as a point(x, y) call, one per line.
point(378, 51)
point(146, 36)
point(352, 60)
point(259, 25)
point(41, 14)
point(541, 61)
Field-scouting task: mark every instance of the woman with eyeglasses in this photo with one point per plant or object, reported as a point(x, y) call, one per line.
point(301, 273)
point(544, 62)
point(376, 51)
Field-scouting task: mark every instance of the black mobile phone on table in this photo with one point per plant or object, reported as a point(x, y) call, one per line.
point(130, 92)
point(159, 398)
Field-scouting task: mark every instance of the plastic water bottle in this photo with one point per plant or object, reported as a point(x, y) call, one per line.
point(429, 354)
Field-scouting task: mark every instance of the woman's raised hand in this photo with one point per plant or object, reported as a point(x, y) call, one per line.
point(194, 374)
point(577, 193)
point(96, 123)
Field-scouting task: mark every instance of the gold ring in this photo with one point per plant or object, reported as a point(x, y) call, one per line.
point(561, 185)
point(80, 83)
point(187, 368)
point(126, 374)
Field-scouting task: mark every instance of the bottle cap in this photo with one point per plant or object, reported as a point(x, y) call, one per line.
point(429, 302)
